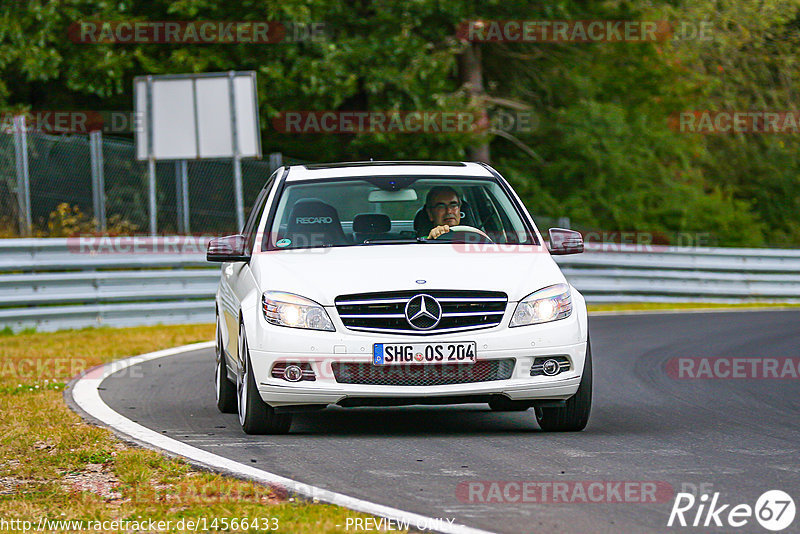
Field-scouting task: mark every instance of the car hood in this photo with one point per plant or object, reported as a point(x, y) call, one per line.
point(322, 274)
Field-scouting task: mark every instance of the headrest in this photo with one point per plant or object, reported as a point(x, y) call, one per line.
point(371, 223)
point(310, 211)
point(313, 221)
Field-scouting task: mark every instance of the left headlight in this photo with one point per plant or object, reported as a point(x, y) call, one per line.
point(548, 304)
point(294, 311)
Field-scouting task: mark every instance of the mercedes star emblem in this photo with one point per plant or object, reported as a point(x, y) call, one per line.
point(423, 312)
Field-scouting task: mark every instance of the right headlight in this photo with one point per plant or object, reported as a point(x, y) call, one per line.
point(294, 311)
point(548, 304)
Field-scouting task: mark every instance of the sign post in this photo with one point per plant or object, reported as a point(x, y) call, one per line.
point(197, 116)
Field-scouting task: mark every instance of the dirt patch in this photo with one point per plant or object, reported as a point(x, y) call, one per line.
point(45, 445)
point(95, 478)
point(14, 485)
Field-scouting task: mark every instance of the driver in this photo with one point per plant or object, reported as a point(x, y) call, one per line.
point(443, 208)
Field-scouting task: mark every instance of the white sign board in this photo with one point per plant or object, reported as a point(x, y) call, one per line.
point(195, 116)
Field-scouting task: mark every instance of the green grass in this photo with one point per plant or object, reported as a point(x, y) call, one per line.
point(56, 466)
point(8, 331)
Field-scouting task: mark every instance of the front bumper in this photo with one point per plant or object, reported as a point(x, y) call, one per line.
point(270, 344)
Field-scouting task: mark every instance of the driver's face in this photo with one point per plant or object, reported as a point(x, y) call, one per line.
point(444, 208)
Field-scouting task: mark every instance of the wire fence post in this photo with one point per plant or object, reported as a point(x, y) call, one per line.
point(275, 161)
point(23, 177)
point(98, 178)
point(182, 196)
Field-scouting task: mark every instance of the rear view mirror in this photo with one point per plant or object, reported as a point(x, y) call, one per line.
point(563, 241)
point(228, 248)
point(402, 195)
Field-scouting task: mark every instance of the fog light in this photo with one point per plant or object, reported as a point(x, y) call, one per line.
point(293, 373)
point(551, 367)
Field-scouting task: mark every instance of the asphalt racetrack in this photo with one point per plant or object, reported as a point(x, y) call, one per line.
point(649, 429)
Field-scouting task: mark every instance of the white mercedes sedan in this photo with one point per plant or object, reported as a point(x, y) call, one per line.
point(397, 283)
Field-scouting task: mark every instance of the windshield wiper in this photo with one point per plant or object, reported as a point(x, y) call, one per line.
point(394, 241)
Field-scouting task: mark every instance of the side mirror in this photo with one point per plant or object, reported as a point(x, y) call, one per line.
point(564, 241)
point(228, 248)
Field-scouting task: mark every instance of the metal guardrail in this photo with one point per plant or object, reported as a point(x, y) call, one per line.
point(624, 273)
point(51, 284)
point(56, 283)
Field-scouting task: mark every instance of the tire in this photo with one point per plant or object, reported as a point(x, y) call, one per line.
point(224, 389)
point(575, 415)
point(504, 404)
point(255, 415)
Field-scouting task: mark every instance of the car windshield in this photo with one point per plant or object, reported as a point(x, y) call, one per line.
point(394, 210)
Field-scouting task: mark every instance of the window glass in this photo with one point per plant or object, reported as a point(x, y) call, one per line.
point(386, 210)
point(251, 226)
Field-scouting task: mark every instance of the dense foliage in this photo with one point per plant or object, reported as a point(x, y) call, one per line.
point(603, 152)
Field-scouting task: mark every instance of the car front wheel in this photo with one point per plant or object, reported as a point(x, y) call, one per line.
point(575, 415)
point(255, 415)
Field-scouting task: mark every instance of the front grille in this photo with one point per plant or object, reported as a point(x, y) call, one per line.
point(422, 375)
point(386, 312)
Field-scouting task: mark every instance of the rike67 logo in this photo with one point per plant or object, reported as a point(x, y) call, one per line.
point(774, 510)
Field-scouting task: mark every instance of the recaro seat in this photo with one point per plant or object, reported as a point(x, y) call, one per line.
point(312, 222)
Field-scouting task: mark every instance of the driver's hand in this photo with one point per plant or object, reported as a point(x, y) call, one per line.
point(439, 230)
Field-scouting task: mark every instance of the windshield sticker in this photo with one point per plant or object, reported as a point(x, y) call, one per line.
point(283, 243)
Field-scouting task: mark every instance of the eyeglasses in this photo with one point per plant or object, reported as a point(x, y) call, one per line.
point(443, 206)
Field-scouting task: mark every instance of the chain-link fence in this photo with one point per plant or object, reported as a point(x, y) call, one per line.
point(67, 195)
point(9, 208)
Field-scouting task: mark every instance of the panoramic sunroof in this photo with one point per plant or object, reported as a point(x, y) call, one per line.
point(383, 163)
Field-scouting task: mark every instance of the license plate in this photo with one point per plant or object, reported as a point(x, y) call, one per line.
point(423, 353)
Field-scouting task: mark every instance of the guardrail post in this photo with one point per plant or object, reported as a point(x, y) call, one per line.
point(98, 178)
point(23, 178)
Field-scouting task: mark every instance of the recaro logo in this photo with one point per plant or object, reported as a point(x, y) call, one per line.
point(314, 220)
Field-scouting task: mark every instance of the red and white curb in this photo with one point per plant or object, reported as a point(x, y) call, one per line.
point(85, 392)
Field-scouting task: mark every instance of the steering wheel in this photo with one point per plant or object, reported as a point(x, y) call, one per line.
point(448, 236)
